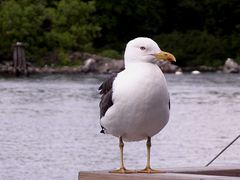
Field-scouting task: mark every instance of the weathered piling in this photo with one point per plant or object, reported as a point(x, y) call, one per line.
point(19, 59)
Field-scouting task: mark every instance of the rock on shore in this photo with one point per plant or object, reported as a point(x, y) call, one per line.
point(231, 66)
point(98, 64)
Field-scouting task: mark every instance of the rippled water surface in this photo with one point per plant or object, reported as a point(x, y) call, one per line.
point(49, 126)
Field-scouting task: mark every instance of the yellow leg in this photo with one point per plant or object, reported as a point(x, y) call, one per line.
point(148, 168)
point(122, 169)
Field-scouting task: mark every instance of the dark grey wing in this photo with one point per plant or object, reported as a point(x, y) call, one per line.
point(106, 99)
point(105, 103)
point(107, 85)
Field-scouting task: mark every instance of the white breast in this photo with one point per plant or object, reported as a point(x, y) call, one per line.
point(140, 103)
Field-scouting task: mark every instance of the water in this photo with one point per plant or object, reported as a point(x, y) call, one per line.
point(49, 126)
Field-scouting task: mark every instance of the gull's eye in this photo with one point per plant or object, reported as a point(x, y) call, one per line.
point(142, 48)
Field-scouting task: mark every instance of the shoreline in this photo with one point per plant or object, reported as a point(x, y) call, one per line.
point(80, 70)
point(96, 64)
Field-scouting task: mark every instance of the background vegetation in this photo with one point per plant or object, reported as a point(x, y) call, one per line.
point(198, 32)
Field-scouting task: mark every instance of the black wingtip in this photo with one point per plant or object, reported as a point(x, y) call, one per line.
point(102, 131)
point(100, 87)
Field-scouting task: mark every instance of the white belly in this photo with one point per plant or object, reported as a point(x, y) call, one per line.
point(140, 104)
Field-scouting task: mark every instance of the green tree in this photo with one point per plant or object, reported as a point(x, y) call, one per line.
point(124, 20)
point(195, 48)
point(71, 25)
point(198, 32)
point(47, 26)
point(19, 22)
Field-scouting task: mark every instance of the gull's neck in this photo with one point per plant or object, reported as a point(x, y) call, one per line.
point(138, 64)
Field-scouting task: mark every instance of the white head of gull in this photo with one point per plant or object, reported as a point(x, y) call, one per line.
point(145, 50)
point(135, 103)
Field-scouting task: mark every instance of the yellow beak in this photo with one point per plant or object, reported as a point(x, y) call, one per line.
point(166, 56)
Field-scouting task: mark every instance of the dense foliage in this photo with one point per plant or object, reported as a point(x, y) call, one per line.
point(47, 26)
point(198, 32)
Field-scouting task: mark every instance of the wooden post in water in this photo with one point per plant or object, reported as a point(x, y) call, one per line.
point(19, 60)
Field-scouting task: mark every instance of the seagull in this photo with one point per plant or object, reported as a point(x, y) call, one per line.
point(135, 103)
